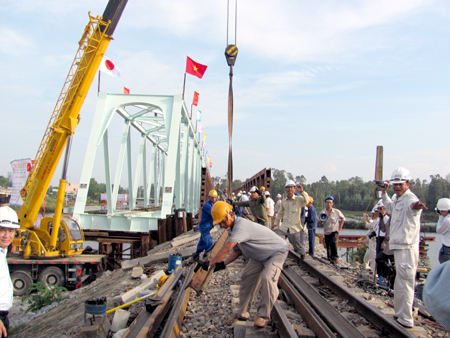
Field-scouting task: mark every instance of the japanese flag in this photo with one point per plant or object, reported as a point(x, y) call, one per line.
point(109, 67)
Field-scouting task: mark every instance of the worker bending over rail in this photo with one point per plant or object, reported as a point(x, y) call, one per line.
point(267, 253)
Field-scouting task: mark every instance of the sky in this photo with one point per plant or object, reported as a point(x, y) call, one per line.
point(318, 85)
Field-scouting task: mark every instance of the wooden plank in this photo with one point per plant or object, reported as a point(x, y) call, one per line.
point(202, 277)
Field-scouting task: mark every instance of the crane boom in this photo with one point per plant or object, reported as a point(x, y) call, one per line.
point(65, 117)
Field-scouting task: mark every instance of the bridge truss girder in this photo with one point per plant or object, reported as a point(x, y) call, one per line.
point(163, 124)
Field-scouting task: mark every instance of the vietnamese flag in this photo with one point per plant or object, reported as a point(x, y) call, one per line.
point(195, 99)
point(126, 90)
point(195, 68)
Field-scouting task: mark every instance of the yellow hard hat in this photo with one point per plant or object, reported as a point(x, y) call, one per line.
point(262, 188)
point(163, 279)
point(219, 211)
point(213, 193)
point(311, 199)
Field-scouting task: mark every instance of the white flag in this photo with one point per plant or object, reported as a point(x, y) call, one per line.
point(109, 67)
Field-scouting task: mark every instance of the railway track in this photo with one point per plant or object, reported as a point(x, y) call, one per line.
point(303, 285)
point(310, 297)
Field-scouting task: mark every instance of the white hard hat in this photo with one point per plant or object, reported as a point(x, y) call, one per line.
point(400, 175)
point(267, 193)
point(374, 210)
point(279, 196)
point(379, 204)
point(240, 191)
point(253, 189)
point(239, 194)
point(244, 192)
point(8, 218)
point(290, 183)
point(443, 204)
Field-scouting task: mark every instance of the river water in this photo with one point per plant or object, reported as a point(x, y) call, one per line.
point(433, 247)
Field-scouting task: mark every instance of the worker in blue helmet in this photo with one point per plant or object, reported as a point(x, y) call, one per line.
point(333, 221)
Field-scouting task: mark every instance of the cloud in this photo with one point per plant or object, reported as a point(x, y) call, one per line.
point(13, 43)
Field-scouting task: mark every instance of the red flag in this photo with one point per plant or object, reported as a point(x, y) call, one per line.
point(195, 99)
point(126, 90)
point(195, 68)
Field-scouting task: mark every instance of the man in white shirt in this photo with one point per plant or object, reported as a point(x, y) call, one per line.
point(8, 224)
point(289, 216)
point(270, 204)
point(405, 210)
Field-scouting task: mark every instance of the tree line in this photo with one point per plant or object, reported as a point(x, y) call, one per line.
point(353, 194)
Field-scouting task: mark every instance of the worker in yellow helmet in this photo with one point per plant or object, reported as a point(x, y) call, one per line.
point(206, 242)
point(267, 253)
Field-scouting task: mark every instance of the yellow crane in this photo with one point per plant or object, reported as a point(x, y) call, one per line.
point(60, 236)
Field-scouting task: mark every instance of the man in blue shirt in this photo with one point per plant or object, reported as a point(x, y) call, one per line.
point(311, 225)
point(206, 241)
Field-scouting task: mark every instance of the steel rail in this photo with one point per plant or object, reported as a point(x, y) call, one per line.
point(333, 317)
point(281, 322)
point(311, 318)
point(385, 324)
point(172, 327)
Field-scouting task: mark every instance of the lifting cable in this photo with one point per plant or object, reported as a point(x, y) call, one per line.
point(231, 52)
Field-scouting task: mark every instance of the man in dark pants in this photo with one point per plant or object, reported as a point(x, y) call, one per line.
point(206, 241)
point(332, 226)
point(311, 225)
point(8, 224)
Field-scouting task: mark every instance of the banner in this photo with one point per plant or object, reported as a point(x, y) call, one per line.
point(19, 176)
point(120, 197)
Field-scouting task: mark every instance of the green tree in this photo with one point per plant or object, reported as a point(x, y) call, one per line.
point(5, 182)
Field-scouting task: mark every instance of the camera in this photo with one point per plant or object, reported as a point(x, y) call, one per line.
point(381, 184)
point(372, 234)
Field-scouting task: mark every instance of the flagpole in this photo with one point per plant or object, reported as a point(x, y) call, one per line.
point(98, 92)
point(184, 84)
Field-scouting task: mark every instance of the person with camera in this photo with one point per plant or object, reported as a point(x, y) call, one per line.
point(288, 218)
point(332, 220)
point(257, 204)
point(443, 228)
point(369, 257)
point(405, 209)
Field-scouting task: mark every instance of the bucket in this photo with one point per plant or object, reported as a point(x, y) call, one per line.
point(174, 262)
point(419, 291)
point(95, 307)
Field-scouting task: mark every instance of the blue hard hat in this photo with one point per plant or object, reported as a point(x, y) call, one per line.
point(329, 197)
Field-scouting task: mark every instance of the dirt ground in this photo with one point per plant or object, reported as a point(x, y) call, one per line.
point(67, 319)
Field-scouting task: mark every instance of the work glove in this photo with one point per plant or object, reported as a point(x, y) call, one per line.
point(219, 266)
point(202, 264)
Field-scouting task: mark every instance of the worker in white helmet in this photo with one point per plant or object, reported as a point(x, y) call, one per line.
point(277, 206)
point(443, 228)
point(8, 224)
point(405, 209)
point(270, 207)
point(289, 216)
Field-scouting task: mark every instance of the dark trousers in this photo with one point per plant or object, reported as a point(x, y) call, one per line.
point(383, 263)
point(444, 254)
point(4, 319)
point(331, 244)
point(380, 240)
point(312, 241)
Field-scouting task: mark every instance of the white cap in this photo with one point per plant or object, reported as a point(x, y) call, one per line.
point(290, 183)
point(253, 189)
point(267, 193)
point(8, 218)
point(279, 196)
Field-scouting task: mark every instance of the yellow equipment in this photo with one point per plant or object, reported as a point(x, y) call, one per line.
point(61, 236)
